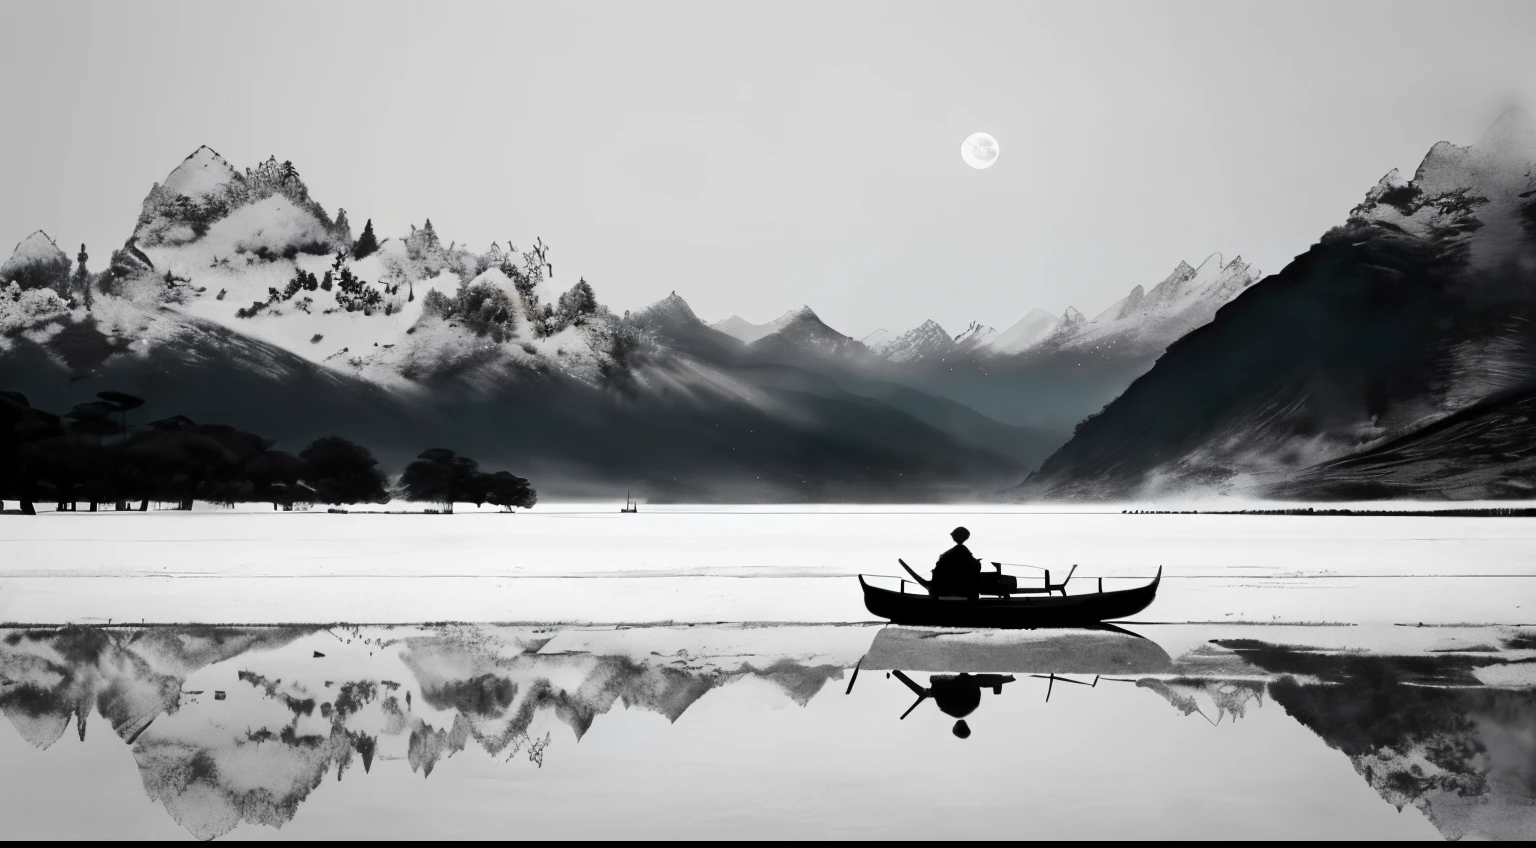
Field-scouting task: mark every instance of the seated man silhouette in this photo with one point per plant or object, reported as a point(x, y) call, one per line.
point(957, 573)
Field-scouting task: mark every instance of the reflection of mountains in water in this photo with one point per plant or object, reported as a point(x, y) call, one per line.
point(1453, 734)
point(231, 725)
point(254, 751)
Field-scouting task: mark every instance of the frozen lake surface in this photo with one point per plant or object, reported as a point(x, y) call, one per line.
point(1281, 686)
point(681, 564)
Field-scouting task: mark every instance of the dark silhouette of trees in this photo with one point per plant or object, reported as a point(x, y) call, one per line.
point(439, 476)
point(443, 477)
point(507, 490)
point(366, 243)
point(342, 472)
point(75, 457)
point(22, 429)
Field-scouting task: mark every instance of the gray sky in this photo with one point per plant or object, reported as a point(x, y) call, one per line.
point(755, 156)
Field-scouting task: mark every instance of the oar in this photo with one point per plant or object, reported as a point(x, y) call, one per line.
point(920, 699)
point(920, 581)
point(922, 694)
point(1053, 678)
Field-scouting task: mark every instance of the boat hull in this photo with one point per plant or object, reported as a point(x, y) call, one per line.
point(923, 610)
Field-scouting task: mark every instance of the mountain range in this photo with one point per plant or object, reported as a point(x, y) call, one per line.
point(237, 298)
point(1395, 358)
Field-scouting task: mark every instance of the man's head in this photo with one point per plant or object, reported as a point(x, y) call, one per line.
point(960, 534)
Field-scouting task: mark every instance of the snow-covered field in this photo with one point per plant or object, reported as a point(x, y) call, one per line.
point(586, 563)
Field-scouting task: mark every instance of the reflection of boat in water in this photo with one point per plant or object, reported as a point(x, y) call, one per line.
point(968, 662)
point(955, 695)
point(1100, 650)
point(1006, 610)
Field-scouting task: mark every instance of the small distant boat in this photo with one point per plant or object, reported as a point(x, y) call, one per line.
point(629, 505)
point(1003, 610)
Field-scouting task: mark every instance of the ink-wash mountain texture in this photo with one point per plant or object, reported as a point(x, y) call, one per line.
point(1394, 358)
point(239, 298)
point(230, 728)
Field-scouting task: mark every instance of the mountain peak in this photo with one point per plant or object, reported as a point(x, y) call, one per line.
point(670, 314)
point(37, 240)
point(925, 340)
point(975, 335)
point(37, 262)
point(37, 247)
point(1214, 257)
point(203, 173)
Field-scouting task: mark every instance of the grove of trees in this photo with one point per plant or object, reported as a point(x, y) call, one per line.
point(443, 477)
point(96, 455)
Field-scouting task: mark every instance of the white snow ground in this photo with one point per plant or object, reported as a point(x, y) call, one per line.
point(584, 563)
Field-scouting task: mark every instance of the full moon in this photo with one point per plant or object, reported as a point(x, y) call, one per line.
point(979, 151)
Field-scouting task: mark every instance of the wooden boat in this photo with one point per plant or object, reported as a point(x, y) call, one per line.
point(922, 609)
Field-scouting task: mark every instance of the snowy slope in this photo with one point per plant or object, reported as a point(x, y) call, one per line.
point(976, 336)
point(200, 175)
point(1185, 299)
point(1028, 332)
point(1141, 323)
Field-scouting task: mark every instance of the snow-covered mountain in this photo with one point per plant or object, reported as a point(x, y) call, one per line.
point(1187, 298)
point(801, 331)
point(976, 336)
point(1025, 333)
point(925, 341)
point(1142, 322)
point(37, 263)
point(1389, 360)
point(240, 299)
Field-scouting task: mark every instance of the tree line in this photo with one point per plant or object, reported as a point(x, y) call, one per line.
point(95, 454)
